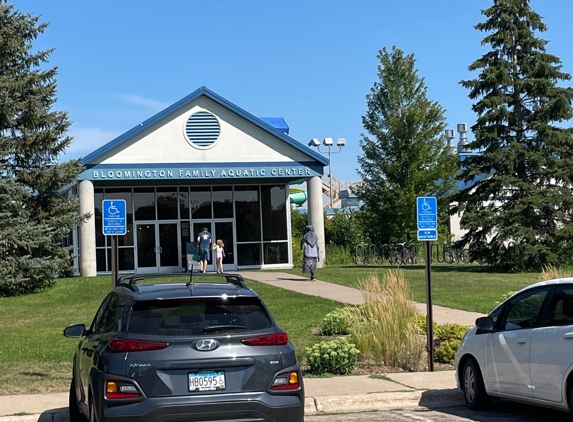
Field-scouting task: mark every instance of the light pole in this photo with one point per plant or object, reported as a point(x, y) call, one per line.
point(328, 142)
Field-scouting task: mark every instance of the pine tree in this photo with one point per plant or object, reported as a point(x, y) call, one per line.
point(35, 214)
point(517, 204)
point(405, 156)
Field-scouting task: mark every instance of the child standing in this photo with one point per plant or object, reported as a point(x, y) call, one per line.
point(218, 247)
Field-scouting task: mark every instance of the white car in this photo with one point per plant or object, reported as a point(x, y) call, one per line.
point(522, 351)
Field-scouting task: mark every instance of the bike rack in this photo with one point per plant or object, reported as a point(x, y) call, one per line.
point(359, 254)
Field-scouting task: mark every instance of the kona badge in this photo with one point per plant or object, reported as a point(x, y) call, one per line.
point(207, 345)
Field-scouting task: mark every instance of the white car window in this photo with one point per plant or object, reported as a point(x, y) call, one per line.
point(560, 310)
point(523, 310)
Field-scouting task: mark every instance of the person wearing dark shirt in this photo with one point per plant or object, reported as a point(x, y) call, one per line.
point(204, 240)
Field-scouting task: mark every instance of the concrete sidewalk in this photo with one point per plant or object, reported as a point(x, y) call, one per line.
point(342, 394)
point(350, 295)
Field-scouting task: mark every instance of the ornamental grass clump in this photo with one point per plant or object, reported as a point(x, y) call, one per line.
point(336, 357)
point(385, 331)
point(550, 272)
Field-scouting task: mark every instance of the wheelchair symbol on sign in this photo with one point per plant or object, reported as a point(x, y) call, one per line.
point(112, 210)
point(426, 206)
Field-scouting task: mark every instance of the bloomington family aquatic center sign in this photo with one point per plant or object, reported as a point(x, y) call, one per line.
point(119, 172)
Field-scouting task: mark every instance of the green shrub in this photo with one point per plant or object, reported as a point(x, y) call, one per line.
point(337, 357)
point(337, 321)
point(338, 255)
point(421, 324)
point(446, 352)
point(503, 297)
point(446, 332)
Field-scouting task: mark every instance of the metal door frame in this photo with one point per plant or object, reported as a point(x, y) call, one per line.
point(158, 269)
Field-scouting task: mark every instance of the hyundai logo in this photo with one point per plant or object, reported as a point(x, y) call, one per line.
point(206, 345)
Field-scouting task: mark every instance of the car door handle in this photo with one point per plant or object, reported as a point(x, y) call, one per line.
point(567, 335)
point(521, 341)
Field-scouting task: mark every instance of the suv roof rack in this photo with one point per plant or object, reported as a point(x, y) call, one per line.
point(131, 280)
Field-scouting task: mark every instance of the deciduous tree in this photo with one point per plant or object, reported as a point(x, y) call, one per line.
point(404, 152)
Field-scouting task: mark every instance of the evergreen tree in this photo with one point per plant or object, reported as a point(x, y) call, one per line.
point(404, 155)
point(518, 200)
point(35, 214)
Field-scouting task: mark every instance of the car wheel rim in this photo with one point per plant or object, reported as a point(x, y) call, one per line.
point(469, 384)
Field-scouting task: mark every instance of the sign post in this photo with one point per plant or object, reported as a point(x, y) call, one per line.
point(114, 224)
point(427, 216)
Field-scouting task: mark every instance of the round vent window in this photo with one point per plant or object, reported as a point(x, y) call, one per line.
point(202, 129)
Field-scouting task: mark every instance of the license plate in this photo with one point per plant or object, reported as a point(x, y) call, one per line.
point(207, 381)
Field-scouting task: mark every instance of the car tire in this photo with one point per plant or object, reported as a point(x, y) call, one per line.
point(73, 407)
point(475, 395)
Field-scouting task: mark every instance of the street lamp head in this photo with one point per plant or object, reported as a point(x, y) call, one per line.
point(314, 143)
point(341, 142)
point(328, 142)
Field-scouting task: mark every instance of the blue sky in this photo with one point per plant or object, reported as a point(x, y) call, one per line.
point(310, 62)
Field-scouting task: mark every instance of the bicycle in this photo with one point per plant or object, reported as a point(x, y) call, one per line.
point(449, 254)
point(464, 256)
point(406, 257)
point(395, 256)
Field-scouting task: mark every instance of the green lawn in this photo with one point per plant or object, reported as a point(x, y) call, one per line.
point(35, 357)
point(459, 286)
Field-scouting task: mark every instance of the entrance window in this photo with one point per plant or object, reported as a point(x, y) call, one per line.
point(98, 218)
point(249, 254)
point(184, 203)
point(248, 220)
point(274, 203)
point(200, 202)
point(275, 253)
point(144, 203)
point(125, 259)
point(223, 202)
point(167, 204)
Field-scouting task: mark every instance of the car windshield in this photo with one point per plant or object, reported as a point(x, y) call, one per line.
point(181, 317)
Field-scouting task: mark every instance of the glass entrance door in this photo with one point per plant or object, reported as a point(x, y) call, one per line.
point(158, 248)
point(224, 231)
point(219, 229)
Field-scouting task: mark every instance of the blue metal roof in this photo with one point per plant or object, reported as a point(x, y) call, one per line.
point(276, 122)
point(279, 133)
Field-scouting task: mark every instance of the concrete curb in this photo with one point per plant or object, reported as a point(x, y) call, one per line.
point(382, 401)
point(320, 405)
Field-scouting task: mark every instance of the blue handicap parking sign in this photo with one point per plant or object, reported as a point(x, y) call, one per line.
point(427, 212)
point(114, 216)
point(427, 217)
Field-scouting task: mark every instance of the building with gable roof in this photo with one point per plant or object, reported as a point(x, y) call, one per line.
point(202, 162)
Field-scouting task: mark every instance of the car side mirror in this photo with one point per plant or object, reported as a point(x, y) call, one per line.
point(75, 330)
point(485, 324)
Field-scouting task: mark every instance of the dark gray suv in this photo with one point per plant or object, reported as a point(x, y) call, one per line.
point(191, 350)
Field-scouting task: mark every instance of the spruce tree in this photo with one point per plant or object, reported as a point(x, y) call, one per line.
point(517, 202)
point(404, 152)
point(36, 213)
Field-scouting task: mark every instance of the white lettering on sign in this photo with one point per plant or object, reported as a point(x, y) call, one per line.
point(199, 173)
